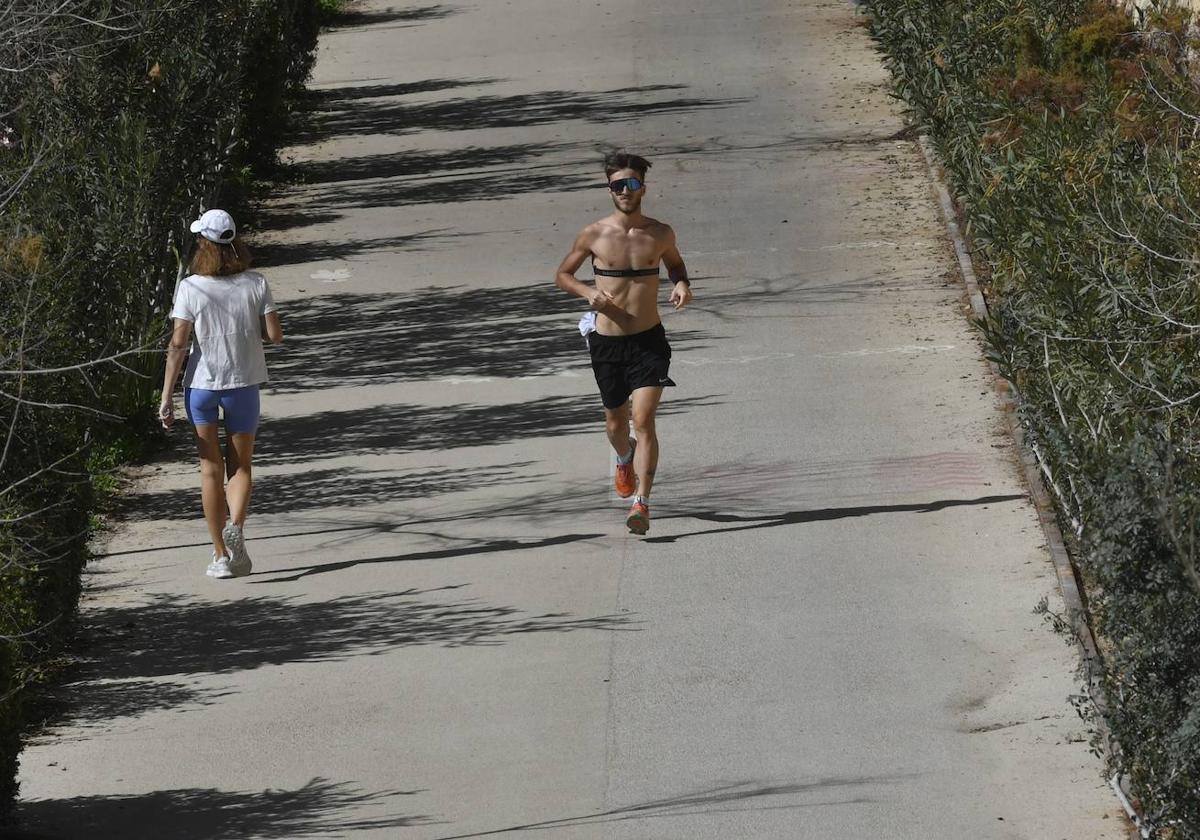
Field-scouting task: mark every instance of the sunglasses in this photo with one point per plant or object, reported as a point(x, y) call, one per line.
point(619, 185)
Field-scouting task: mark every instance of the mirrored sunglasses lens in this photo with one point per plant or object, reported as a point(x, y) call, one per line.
point(620, 184)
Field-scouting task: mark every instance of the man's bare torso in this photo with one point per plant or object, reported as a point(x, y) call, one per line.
point(613, 247)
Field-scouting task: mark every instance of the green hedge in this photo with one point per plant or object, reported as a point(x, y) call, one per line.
point(119, 131)
point(1066, 133)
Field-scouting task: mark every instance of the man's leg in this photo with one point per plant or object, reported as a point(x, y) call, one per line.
point(212, 483)
point(616, 424)
point(645, 460)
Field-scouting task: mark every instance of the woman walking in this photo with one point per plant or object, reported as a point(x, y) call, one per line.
point(222, 311)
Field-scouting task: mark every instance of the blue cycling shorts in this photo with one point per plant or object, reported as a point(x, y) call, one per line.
point(239, 405)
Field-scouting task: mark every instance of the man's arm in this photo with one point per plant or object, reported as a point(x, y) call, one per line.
point(681, 288)
point(565, 277)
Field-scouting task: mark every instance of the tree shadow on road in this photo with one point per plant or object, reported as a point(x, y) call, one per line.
point(316, 192)
point(400, 179)
point(334, 532)
point(144, 657)
point(421, 166)
point(380, 17)
point(472, 547)
point(349, 115)
point(320, 808)
point(727, 798)
point(489, 186)
point(456, 332)
point(92, 700)
point(399, 427)
point(316, 98)
point(755, 522)
point(477, 173)
point(274, 254)
point(176, 636)
point(743, 298)
point(329, 488)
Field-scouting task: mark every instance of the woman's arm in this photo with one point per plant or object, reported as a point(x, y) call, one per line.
point(272, 328)
point(177, 349)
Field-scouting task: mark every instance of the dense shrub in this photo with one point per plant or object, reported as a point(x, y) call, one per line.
point(119, 121)
point(1069, 137)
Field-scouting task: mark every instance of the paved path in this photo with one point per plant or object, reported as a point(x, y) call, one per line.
point(829, 632)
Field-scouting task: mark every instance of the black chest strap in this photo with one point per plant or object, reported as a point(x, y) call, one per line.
point(625, 272)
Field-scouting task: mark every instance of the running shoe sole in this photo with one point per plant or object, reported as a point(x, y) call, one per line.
point(239, 560)
point(219, 570)
point(637, 522)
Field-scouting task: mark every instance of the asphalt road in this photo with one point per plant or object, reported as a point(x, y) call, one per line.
point(829, 632)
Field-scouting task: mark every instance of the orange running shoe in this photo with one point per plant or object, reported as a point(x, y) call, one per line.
point(638, 520)
point(625, 479)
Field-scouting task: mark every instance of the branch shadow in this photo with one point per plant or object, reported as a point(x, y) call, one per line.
point(377, 17)
point(315, 98)
point(274, 254)
point(744, 298)
point(746, 484)
point(94, 700)
point(398, 427)
point(801, 517)
point(137, 658)
point(492, 546)
point(319, 808)
point(412, 178)
point(342, 115)
point(415, 164)
point(328, 488)
point(432, 333)
point(173, 636)
point(278, 218)
point(493, 186)
point(339, 533)
point(741, 796)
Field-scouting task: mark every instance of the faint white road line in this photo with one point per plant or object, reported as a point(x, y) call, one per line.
point(908, 349)
point(732, 360)
point(341, 275)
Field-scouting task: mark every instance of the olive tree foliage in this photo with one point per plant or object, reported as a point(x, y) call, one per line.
point(119, 121)
point(42, 492)
point(1071, 136)
point(39, 39)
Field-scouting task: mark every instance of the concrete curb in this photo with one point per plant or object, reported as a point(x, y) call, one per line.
point(1036, 478)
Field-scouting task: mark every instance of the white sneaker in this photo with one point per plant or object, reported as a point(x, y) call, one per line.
point(235, 544)
point(219, 567)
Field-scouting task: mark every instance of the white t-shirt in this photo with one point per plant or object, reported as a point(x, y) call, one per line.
point(227, 344)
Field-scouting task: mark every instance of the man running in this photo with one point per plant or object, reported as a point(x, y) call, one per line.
point(630, 353)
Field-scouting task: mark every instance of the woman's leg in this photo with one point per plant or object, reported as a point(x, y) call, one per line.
point(241, 407)
point(239, 450)
point(212, 483)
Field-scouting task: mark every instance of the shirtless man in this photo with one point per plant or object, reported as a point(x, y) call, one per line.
point(630, 353)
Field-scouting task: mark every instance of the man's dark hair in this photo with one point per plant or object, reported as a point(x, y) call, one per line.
point(615, 161)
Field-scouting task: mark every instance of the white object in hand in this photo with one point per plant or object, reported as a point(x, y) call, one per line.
point(587, 324)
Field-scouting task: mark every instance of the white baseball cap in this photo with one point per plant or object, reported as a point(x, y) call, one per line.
point(215, 226)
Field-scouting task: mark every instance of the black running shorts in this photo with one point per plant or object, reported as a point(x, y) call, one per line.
point(624, 363)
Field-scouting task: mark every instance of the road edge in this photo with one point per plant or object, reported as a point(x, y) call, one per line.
point(1036, 482)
